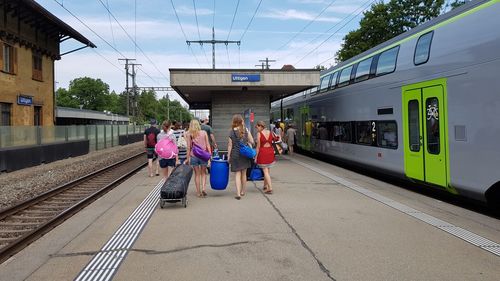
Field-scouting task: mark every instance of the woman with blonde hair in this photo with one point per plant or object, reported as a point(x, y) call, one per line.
point(239, 163)
point(198, 137)
point(265, 154)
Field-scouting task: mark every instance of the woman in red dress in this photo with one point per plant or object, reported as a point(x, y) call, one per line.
point(265, 154)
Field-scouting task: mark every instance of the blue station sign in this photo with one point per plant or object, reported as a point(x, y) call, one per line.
point(245, 77)
point(24, 100)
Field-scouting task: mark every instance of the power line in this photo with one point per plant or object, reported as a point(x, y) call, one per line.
point(183, 33)
point(307, 25)
point(198, 27)
point(324, 41)
point(135, 43)
point(321, 34)
point(111, 26)
point(249, 23)
point(232, 22)
point(100, 37)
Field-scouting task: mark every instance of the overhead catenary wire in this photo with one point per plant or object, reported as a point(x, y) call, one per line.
point(135, 42)
point(325, 32)
point(111, 25)
point(183, 33)
point(89, 28)
point(306, 26)
point(328, 38)
point(251, 20)
point(199, 36)
point(234, 16)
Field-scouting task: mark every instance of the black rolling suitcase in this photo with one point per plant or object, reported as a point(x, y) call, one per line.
point(175, 187)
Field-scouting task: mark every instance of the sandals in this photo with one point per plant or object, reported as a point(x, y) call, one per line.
point(204, 194)
point(237, 197)
point(268, 191)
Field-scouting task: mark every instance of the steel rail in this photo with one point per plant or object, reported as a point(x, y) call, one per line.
point(31, 235)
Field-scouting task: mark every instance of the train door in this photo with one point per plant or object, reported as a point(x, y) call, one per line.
point(306, 128)
point(425, 132)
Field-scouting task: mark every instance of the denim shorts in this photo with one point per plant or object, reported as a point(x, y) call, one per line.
point(195, 161)
point(167, 163)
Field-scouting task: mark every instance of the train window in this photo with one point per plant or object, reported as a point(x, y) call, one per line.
point(387, 61)
point(387, 135)
point(432, 106)
point(345, 76)
point(366, 132)
point(342, 132)
point(323, 85)
point(334, 80)
point(363, 70)
point(414, 125)
point(423, 48)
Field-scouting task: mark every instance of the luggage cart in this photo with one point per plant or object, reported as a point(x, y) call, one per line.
point(175, 188)
point(183, 201)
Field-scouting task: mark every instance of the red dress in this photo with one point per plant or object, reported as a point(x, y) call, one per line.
point(266, 154)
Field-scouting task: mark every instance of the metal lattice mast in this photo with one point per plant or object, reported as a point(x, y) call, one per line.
point(213, 42)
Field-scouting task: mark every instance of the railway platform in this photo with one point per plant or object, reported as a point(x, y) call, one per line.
point(322, 223)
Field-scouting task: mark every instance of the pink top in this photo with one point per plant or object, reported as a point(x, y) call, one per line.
point(200, 140)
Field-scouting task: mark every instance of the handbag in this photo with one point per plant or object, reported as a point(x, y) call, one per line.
point(256, 174)
point(200, 153)
point(278, 149)
point(246, 150)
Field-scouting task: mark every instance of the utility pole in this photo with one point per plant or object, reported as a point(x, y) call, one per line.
point(267, 62)
point(260, 65)
point(126, 81)
point(213, 42)
point(134, 91)
point(168, 107)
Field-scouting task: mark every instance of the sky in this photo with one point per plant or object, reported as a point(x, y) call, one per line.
point(303, 33)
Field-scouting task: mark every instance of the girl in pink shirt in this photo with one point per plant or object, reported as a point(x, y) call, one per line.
point(199, 137)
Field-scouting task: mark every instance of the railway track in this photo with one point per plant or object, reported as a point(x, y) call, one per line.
point(22, 224)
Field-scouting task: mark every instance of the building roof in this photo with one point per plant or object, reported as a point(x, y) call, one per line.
point(29, 10)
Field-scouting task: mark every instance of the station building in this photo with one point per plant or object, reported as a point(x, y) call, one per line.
point(30, 38)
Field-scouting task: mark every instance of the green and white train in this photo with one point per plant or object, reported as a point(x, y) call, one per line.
point(424, 105)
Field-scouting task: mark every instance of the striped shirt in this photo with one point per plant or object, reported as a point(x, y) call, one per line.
point(182, 151)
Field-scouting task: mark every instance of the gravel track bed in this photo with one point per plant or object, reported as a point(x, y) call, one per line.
point(23, 184)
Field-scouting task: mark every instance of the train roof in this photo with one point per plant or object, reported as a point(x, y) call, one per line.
point(419, 29)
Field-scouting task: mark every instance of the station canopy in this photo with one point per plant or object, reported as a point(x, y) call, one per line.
point(197, 86)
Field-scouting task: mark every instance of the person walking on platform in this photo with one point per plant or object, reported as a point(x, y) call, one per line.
point(150, 136)
point(167, 132)
point(210, 132)
point(180, 137)
point(290, 138)
point(197, 137)
point(239, 163)
point(265, 154)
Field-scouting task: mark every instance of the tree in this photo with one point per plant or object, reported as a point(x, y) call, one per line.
point(89, 92)
point(458, 3)
point(385, 21)
point(147, 107)
point(65, 99)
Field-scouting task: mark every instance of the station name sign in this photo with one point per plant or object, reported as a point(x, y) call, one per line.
point(245, 77)
point(24, 100)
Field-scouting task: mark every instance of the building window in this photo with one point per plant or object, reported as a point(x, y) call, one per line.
point(9, 58)
point(5, 109)
point(37, 67)
point(37, 121)
point(423, 48)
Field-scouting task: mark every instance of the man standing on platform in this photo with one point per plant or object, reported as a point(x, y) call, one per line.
point(150, 135)
point(210, 133)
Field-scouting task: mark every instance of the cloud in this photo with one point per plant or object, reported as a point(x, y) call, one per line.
point(292, 14)
point(344, 9)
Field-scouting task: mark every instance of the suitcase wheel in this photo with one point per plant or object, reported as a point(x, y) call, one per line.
point(162, 203)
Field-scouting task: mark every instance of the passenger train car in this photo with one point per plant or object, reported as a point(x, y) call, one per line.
point(424, 105)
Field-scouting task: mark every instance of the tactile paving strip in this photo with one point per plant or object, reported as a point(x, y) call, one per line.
point(104, 265)
point(456, 231)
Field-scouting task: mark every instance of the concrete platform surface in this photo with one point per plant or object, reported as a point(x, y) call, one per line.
point(311, 228)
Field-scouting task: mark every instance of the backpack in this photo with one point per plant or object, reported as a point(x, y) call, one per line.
point(181, 142)
point(166, 148)
point(151, 139)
